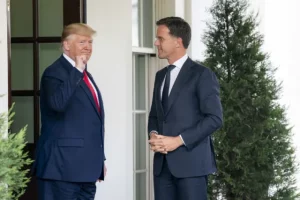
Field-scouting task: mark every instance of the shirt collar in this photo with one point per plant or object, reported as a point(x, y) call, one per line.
point(71, 61)
point(179, 63)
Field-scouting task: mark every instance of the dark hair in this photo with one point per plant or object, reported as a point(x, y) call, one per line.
point(178, 28)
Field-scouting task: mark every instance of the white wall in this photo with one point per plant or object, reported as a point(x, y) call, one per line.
point(3, 57)
point(111, 67)
point(282, 31)
point(279, 24)
point(199, 17)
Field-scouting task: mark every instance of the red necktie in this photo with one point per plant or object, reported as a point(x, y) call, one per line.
point(87, 82)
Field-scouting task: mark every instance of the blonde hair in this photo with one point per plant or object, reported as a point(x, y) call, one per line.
point(78, 29)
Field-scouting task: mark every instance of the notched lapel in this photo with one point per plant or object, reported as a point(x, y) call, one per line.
point(184, 75)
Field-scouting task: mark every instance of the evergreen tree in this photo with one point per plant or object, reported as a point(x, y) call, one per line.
point(254, 152)
point(13, 160)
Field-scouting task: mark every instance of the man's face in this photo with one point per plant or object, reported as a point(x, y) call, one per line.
point(166, 44)
point(78, 45)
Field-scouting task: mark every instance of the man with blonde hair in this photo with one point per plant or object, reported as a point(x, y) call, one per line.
point(70, 152)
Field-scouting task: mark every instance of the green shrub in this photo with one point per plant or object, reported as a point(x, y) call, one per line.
point(14, 160)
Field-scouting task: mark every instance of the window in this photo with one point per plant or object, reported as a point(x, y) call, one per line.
point(142, 23)
point(143, 50)
point(140, 120)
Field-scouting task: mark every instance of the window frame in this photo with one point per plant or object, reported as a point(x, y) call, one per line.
point(142, 48)
point(135, 112)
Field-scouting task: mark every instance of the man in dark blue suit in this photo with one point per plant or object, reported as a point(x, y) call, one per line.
point(70, 152)
point(185, 112)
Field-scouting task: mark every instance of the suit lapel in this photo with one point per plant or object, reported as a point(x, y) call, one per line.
point(184, 75)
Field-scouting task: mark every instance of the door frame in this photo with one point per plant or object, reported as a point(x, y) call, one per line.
point(8, 52)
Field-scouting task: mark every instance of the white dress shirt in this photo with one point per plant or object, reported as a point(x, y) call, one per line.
point(174, 73)
point(74, 65)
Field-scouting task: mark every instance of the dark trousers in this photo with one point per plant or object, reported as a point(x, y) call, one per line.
point(168, 187)
point(60, 190)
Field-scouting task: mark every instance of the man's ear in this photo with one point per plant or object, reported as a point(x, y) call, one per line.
point(179, 42)
point(66, 45)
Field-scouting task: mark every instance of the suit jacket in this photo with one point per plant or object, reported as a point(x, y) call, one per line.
point(71, 144)
point(194, 112)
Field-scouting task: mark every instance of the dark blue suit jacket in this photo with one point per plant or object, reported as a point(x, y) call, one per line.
point(194, 112)
point(71, 145)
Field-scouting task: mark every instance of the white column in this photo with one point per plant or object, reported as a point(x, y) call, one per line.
point(3, 57)
point(111, 67)
point(164, 8)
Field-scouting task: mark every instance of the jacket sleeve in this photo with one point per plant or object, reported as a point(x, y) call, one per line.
point(58, 91)
point(152, 120)
point(210, 106)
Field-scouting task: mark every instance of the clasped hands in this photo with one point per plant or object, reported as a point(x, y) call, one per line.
point(164, 144)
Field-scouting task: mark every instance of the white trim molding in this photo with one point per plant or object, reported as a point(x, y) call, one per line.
point(4, 11)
